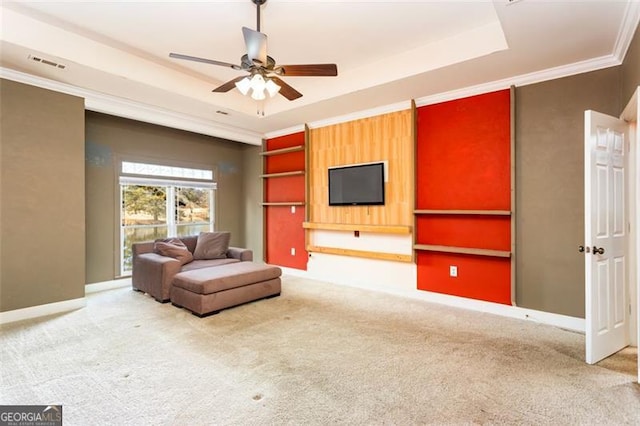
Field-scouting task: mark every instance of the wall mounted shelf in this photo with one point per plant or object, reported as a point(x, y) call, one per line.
point(465, 212)
point(285, 203)
point(361, 253)
point(378, 229)
point(463, 250)
point(283, 174)
point(283, 150)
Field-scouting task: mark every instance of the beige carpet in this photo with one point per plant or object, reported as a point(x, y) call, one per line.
point(319, 354)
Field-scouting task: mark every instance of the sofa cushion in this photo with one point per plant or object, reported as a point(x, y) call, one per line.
point(174, 248)
point(212, 245)
point(190, 241)
point(225, 277)
point(199, 264)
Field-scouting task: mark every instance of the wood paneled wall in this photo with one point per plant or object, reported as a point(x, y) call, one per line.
point(387, 137)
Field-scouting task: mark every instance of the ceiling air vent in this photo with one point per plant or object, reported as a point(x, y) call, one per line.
point(47, 62)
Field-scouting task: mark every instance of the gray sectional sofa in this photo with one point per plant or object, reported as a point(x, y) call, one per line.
point(198, 273)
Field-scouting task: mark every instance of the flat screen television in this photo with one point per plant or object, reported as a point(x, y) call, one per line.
point(357, 185)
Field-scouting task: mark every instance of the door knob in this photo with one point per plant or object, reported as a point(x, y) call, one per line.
point(597, 250)
point(581, 249)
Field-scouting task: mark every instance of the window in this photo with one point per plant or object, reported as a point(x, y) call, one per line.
point(154, 204)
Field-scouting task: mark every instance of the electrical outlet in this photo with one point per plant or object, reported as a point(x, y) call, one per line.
point(293, 251)
point(293, 209)
point(453, 271)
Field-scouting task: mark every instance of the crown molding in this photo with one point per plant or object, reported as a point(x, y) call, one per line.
point(520, 80)
point(288, 131)
point(523, 80)
point(627, 30)
point(113, 105)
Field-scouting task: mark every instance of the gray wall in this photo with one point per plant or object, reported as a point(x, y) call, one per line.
point(111, 139)
point(550, 180)
point(253, 199)
point(41, 196)
point(550, 186)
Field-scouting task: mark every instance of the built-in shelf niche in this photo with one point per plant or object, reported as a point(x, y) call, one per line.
point(284, 205)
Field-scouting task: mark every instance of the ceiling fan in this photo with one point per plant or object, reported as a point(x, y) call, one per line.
point(264, 74)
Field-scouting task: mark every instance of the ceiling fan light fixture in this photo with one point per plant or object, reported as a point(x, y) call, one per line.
point(272, 88)
point(257, 87)
point(244, 85)
point(258, 95)
point(258, 83)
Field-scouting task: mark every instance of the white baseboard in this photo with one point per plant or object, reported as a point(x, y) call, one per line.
point(42, 310)
point(548, 318)
point(294, 272)
point(107, 285)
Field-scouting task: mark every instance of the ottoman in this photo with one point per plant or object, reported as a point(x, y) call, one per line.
point(207, 291)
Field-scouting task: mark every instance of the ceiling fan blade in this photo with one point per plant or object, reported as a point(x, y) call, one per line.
point(256, 45)
point(228, 85)
point(311, 70)
point(204, 61)
point(286, 90)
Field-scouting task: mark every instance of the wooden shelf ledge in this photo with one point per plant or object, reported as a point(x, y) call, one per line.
point(463, 250)
point(282, 174)
point(376, 229)
point(283, 150)
point(284, 203)
point(466, 212)
point(361, 253)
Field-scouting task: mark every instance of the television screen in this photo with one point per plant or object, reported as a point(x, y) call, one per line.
point(358, 185)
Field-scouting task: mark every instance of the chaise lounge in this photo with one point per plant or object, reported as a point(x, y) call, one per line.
point(202, 273)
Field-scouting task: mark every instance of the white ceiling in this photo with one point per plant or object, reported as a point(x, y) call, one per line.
point(386, 51)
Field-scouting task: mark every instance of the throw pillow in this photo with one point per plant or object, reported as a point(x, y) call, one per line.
point(175, 248)
point(212, 245)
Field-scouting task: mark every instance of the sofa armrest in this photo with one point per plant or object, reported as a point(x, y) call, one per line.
point(153, 273)
point(141, 248)
point(242, 254)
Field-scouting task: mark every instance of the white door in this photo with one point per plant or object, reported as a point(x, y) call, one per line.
point(606, 233)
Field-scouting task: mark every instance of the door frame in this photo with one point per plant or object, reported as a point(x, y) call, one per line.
point(631, 115)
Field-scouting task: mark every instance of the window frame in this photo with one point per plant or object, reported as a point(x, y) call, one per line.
point(171, 184)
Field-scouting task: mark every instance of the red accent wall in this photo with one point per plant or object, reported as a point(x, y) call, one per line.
point(283, 229)
point(464, 154)
point(284, 232)
point(489, 232)
point(479, 277)
point(285, 189)
point(464, 163)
